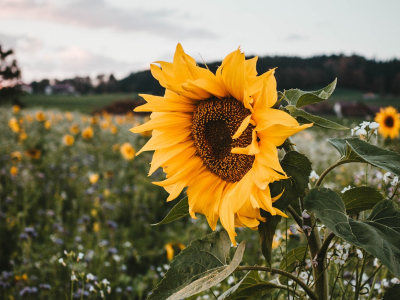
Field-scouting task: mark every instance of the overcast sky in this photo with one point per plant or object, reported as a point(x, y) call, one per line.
point(65, 38)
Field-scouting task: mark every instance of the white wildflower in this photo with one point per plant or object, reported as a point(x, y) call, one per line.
point(231, 280)
point(395, 181)
point(361, 131)
point(373, 125)
point(386, 175)
point(127, 244)
point(359, 253)
point(90, 276)
point(61, 261)
point(364, 124)
point(73, 277)
point(314, 176)
point(105, 281)
point(109, 289)
point(346, 189)
point(102, 294)
point(80, 256)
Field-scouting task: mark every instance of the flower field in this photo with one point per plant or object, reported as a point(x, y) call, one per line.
point(77, 207)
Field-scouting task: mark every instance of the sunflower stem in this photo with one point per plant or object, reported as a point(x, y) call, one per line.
point(305, 287)
point(321, 288)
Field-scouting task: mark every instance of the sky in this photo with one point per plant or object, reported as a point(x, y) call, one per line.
point(67, 38)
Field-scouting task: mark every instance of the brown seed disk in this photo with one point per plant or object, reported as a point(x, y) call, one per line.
point(215, 121)
point(389, 122)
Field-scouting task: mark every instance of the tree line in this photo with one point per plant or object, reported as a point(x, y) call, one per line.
point(355, 72)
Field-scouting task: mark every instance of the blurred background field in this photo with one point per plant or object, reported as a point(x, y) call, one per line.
point(92, 196)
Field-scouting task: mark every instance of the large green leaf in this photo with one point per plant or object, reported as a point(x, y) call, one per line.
point(305, 117)
point(301, 98)
point(361, 151)
point(198, 267)
point(180, 210)
point(298, 167)
point(379, 234)
point(360, 198)
point(393, 293)
point(292, 260)
point(266, 230)
point(251, 287)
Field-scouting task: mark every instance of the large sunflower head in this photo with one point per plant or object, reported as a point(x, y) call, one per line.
point(217, 135)
point(389, 122)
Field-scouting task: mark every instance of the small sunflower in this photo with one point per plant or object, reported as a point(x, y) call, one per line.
point(16, 156)
point(217, 134)
point(74, 129)
point(16, 109)
point(87, 133)
point(389, 122)
point(33, 153)
point(14, 171)
point(127, 151)
point(40, 116)
point(68, 140)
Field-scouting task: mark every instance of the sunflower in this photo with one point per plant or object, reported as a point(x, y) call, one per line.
point(389, 122)
point(33, 153)
point(68, 140)
point(217, 134)
point(127, 151)
point(87, 133)
point(40, 116)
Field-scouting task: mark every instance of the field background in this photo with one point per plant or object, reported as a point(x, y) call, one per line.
point(51, 205)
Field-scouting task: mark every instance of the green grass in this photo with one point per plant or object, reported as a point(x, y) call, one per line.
point(84, 104)
point(87, 103)
point(350, 95)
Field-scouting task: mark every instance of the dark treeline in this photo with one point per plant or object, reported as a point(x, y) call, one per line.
point(354, 72)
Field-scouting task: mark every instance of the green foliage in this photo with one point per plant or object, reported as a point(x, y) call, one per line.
point(300, 98)
point(203, 264)
point(251, 287)
point(379, 234)
point(304, 117)
point(180, 210)
point(393, 293)
point(298, 168)
point(266, 230)
point(356, 149)
point(292, 260)
point(360, 198)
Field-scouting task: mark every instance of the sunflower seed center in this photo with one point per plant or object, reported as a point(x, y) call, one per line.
point(215, 121)
point(389, 122)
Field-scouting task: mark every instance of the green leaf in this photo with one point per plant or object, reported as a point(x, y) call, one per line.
point(301, 98)
point(266, 230)
point(198, 267)
point(292, 260)
point(180, 210)
point(379, 234)
point(393, 293)
point(250, 287)
point(298, 167)
point(304, 117)
point(359, 150)
point(360, 198)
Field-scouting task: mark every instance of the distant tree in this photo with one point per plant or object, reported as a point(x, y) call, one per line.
point(38, 87)
point(10, 78)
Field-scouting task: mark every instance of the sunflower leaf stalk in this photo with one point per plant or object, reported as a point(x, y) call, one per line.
point(320, 271)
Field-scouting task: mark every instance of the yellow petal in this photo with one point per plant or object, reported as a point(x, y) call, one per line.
point(277, 134)
point(233, 75)
point(211, 86)
point(166, 105)
point(242, 127)
point(270, 117)
point(280, 213)
point(269, 156)
point(165, 122)
point(256, 83)
point(250, 65)
point(162, 155)
point(165, 139)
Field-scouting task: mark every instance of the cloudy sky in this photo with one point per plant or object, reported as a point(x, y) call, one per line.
point(65, 38)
